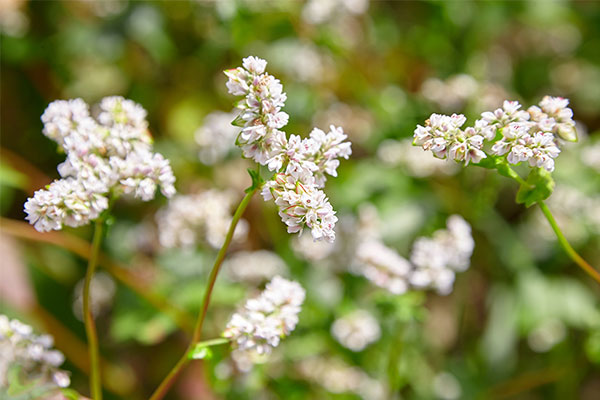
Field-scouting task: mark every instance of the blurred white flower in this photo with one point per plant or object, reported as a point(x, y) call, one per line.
point(319, 11)
point(446, 386)
point(546, 335)
point(417, 163)
point(34, 354)
point(266, 319)
point(216, 137)
point(590, 155)
point(437, 259)
point(102, 293)
point(306, 247)
point(383, 266)
point(254, 266)
point(337, 377)
point(191, 219)
point(106, 157)
point(356, 330)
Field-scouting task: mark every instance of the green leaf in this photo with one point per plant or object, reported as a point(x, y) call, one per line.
point(490, 162)
point(238, 121)
point(538, 187)
point(200, 352)
point(70, 394)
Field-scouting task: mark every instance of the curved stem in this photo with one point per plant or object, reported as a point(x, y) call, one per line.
point(90, 326)
point(166, 384)
point(566, 246)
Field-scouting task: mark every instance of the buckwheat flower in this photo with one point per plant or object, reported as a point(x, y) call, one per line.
point(338, 377)
point(538, 148)
point(326, 149)
point(437, 259)
point(383, 266)
point(356, 330)
point(302, 205)
point(554, 110)
point(268, 318)
point(64, 202)
point(254, 266)
point(216, 137)
point(501, 117)
point(38, 361)
point(203, 217)
point(104, 158)
point(442, 135)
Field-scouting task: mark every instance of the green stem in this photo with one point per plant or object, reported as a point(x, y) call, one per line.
point(566, 246)
point(90, 327)
point(166, 384)
point(213, 342)
point(560, 236)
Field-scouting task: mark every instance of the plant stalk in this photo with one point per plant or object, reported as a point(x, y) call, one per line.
point(90, 326)
point(170, 379)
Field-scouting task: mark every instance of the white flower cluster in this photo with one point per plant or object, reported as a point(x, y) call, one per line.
point(107, 156)
point(433, 261)
point(529, 136)
point(266, 319)
point(216, 137)
point(338, 377)
point(300, 164)
point(189, 219)
point(356, 330)
point(437, 259)
point(39, 363)
point(254, 266)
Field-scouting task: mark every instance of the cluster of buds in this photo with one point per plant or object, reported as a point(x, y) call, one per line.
point(106, 156)
point(433, 262)
point(300, 164)
point(524, 136)
point(32, 354)
point(266, 319)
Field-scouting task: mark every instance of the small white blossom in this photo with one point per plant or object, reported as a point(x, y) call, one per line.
point(268, 318)
point(102, 293)
point(191, 219)
point(356, 330)
point(34, 354)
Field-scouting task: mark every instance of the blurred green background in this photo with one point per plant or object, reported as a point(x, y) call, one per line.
point(523, 322)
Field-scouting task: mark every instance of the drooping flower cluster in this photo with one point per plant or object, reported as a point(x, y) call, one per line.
point(356, 330)
point(300, 164)
point(433, 261)
point(189, 219)
point(526, 136)
point(33, 354)
point(106, 156)
point(266, 319)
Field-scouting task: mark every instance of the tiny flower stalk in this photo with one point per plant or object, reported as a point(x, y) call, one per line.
point(513, 136)
point(90, 326)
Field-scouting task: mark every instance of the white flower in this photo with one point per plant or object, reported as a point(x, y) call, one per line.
point(437, 259)
point(190, 219)
point(20, 347)
point(300, 164)
point(301, 205)
point(268, 318)
point(104, 157)
point(383, 266)
point(216, 137)
point(442, 135)
point(254, 266)
point(64, 202)
point(356, 330)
